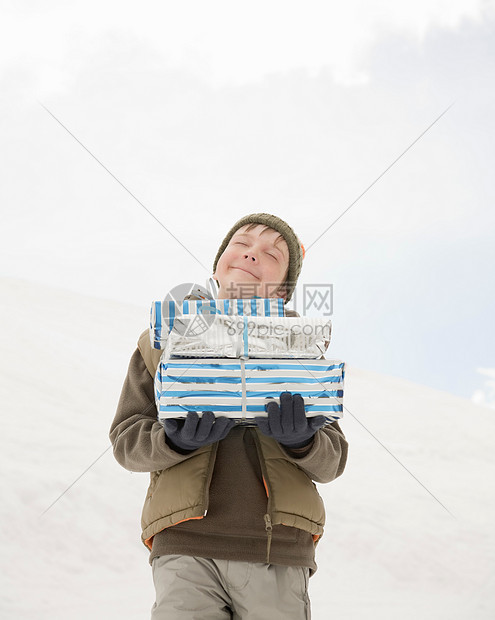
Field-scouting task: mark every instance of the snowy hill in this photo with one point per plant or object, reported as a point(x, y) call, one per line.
point(390, 549)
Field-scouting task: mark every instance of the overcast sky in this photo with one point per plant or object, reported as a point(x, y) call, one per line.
point(209, 111)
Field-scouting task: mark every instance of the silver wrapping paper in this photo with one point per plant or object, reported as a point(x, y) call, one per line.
point(249, 337)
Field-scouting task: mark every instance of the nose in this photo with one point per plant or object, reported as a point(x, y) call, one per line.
point(251, 255)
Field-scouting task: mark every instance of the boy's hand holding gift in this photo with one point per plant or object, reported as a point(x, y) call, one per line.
point(288, 423)
point(194, 432)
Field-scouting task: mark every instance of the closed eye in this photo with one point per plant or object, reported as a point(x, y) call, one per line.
point(241, 243)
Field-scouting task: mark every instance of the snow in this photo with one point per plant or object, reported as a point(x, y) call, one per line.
point(486, 395)
point(390, 548)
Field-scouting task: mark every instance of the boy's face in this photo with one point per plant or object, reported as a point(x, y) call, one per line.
point(255, 262)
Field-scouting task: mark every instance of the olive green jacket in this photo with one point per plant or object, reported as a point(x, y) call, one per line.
point(180, 492)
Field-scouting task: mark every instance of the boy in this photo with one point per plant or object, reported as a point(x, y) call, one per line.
point(232, 515)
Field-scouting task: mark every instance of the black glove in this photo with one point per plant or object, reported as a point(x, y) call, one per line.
point(193, 432)
point(288, 423)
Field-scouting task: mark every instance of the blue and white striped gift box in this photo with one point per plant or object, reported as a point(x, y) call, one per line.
point(163, 313)
point(240, 389)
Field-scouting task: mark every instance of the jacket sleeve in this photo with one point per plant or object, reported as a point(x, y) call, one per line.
point(138, 439)
point(325, 458)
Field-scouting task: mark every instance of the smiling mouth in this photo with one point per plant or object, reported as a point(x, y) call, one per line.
point(245, 271)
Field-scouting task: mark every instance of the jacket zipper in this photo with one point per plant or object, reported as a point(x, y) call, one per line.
point(267, 517)
point(268, 528)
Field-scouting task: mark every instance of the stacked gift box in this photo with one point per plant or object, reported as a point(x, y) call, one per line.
point(232, 356)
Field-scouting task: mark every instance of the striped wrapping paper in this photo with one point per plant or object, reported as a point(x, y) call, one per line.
point(240, 389)
point(163, 313)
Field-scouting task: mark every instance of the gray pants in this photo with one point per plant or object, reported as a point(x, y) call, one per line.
point(190, 588)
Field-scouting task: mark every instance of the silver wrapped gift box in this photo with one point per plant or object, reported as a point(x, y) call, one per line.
point(249, 337)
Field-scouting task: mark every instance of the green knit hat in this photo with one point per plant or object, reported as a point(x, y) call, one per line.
point(296, 249)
